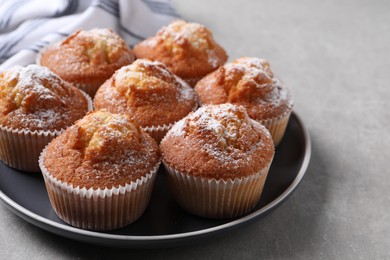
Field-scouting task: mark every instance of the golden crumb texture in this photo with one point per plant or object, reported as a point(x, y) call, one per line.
point(102, 150)
point(34, 98)
point(148, 92)
point(218, 141)
point(88, 57)
point(188, 49)
point(249, 82)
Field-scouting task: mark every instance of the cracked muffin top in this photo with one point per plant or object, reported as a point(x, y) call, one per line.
point(102, 150)
point(35, 98)
point(148, 92)
point(248, 82)
point(218, 141)
point(88, 58)
point(188, 49)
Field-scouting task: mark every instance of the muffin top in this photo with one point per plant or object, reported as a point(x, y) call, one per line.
point(88, 56)
point(34, 98)
point(218, 141)
point(101, 150)
point(188, 49)
point(148, 92)
point(248, 82)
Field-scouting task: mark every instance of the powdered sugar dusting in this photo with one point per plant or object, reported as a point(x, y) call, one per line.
point(251, 68)
point(34, 78)
point(280, 93)
point(139, 75)
point(179, 32)
point(37, 99)
point(98, 34)
point(101, 46)
point(102, 150)
point(185, 92)
point(42, 118)
point(213, 59)
point(222, 127)
point(112, 124)
point(151, 42)
point(114, 135)
point(178, 128)
point(256, 74)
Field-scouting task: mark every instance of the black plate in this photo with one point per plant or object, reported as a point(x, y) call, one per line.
point(163, 223)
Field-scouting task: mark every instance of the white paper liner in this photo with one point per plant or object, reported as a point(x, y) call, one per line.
point(157, 132)
point(277, 126)
point(100, 209)
point(213, 198)
point(20, 148)
point(89, 100)
point(89, 88)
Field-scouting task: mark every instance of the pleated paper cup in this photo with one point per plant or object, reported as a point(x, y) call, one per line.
point(277, 126)
point(90, 88)
point(157, 132)
point(99, 209)
point(20, 148)
point(212, 198)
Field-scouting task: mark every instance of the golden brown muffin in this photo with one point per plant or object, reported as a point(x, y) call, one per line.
point(35, 106)
point(215, 155)
point(102, 150)
point(108, 156)
point(249, 82)
point(36, 99)
point(149, 93)
point(88, 58)
point(219, 142)
point(188, 49)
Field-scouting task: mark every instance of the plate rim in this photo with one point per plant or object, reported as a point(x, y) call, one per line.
point(76, 233)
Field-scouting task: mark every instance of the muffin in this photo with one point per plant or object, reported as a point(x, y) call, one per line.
point(149, 93)
point(35, 106)
point(249, 82)
point(217, 161)
point(188, 49)
point(100, 172)
point(87, 58)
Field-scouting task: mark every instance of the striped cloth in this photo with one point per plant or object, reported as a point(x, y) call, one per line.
point(26, 26)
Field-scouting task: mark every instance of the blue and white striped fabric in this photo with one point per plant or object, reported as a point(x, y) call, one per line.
point(26, 26)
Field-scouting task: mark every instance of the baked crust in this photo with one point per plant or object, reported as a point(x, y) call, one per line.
point(102, 150)
point(148, 92)
point(248, 82)
point(35, 98)
point(188, 49)
point(88, 57)
point(218, 141)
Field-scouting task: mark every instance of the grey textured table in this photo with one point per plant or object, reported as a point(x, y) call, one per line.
point(335, 56)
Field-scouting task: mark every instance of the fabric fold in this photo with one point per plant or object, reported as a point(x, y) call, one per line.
point(28, 26)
